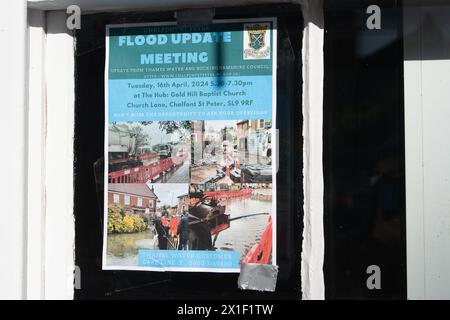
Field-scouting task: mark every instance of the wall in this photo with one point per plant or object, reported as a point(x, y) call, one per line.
point(13, 131)
point(427, 132)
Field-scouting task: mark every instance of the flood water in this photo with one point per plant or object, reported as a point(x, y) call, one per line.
point(122, 249)
point(245, 232)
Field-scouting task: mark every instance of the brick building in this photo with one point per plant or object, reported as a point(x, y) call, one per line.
point(134, 196)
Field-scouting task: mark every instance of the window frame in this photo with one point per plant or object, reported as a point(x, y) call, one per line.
point(56, 128)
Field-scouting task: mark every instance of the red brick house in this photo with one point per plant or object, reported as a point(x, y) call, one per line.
point(133, 196)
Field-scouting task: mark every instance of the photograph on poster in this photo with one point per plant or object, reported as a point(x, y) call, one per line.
point(162, 216)
point(139, 152)
point(231, 151)
point(234, 217)
point(143, 216)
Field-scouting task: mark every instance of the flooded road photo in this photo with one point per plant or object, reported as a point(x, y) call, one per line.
point(245, 232)
point(177, 175)
point(122, 249)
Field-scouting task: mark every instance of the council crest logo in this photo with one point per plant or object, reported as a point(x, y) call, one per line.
point(256, 41)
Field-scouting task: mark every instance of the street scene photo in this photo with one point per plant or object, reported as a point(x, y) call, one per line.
point(145, 216)
point(233, 217)
point(231, 151)
point(139, 152)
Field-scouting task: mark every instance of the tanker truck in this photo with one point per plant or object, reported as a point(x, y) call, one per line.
point(121, 149)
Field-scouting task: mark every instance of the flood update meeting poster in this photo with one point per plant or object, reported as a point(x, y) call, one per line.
point(190, 146)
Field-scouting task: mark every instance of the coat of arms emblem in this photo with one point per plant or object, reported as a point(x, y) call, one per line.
point(256, 41)
point(256, 37)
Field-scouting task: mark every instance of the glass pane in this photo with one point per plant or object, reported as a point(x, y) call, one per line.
point(364, 171)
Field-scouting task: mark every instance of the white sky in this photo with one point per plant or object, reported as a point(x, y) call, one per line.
point(167, 193)
point(219, 124)
point(157, 136)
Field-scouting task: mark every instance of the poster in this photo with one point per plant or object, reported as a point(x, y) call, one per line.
point(190, 145)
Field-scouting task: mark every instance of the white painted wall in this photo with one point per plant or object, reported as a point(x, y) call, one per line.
point(13, 160)
point(427, 138)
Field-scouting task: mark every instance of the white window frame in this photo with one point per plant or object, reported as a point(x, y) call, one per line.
point(127, 200)
point(116, 198)
point(139, 201)
point(48, 233)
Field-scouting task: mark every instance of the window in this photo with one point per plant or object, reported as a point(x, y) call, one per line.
point(139, 202)
point(90, 62)
point(363, 153)
point(127, 200)
point(116, 198)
